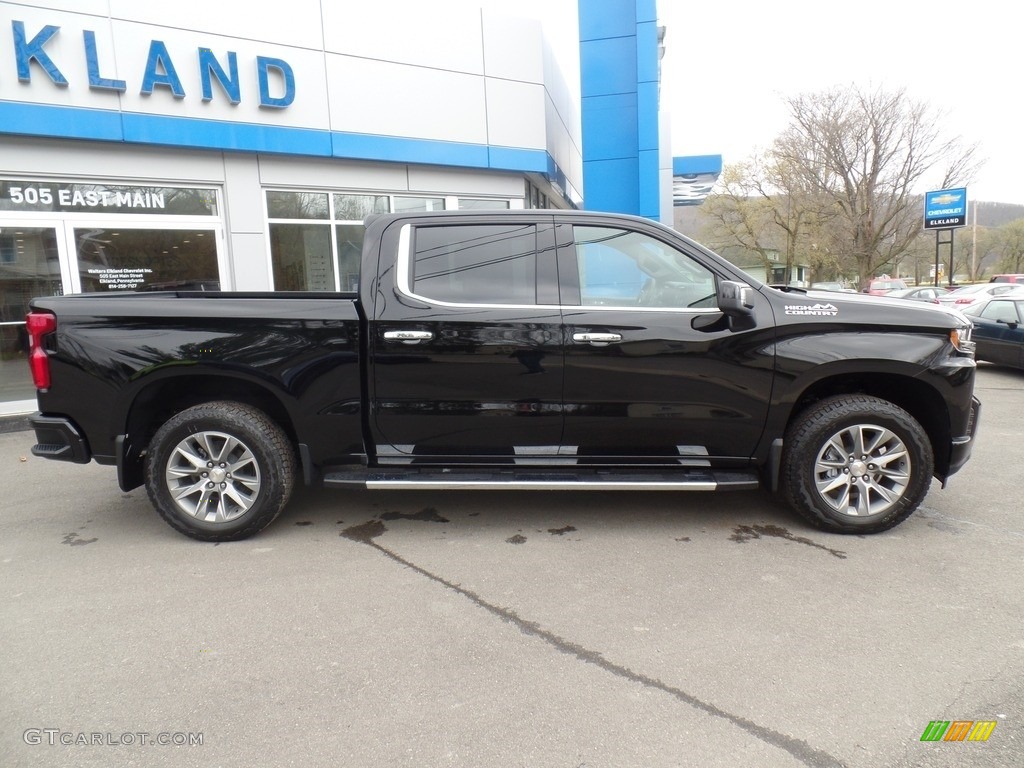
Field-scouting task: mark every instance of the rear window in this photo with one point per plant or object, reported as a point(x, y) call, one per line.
point(887, 285)
point(476, 264)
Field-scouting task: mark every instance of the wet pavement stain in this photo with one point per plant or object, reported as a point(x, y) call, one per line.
point(73, 540)
point(428, 515)
point(744, 533)
point(798, 749)
point(364, 533)
point(517, 539)
point(304, 522)
point(561, 531)
point(683, 538)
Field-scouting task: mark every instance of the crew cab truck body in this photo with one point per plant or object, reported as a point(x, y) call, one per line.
point(513, 349)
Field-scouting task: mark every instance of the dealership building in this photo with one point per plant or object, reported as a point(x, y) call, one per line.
point(208, 145)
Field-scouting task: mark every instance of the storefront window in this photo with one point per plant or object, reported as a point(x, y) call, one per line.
point(350, 252)
point(470, 204)
point(416, 204)
point(29, 267)
point(309, 256)
point(297, 205)
point(147, 259)
point(358, 207)
point(302, 257)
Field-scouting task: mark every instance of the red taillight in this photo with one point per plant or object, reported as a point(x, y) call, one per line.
point(964, 301)
point(38, 325)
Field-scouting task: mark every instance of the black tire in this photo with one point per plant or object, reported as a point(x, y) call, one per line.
point(856, 464)
point(247, 480)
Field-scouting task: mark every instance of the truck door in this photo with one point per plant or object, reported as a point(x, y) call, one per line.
point(653, 369)
point(466, 344)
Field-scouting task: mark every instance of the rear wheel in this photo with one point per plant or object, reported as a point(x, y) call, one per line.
point(220, 471)
point(856, 464)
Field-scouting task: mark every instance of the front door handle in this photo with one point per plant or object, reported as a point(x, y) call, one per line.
point(597, 339)
point(408, 337)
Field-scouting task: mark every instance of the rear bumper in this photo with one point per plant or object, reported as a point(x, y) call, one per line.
point(58, 438)
point(962, 446)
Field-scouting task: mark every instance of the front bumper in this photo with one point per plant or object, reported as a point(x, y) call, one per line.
point(960, 451)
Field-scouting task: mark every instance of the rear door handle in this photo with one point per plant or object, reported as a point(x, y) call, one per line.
point(597, 339)
point(408, 337)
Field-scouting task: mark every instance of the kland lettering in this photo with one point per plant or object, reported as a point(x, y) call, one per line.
point(159, 71)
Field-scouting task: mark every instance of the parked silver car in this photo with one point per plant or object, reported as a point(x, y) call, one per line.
point(966, 295)
point(920, 293)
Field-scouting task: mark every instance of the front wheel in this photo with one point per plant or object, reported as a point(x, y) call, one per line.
point(219, 471)
point(856, 464)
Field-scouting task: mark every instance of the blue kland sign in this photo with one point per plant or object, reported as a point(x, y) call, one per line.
point(945, 208)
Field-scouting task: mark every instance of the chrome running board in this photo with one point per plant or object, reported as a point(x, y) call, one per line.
point(416, 480)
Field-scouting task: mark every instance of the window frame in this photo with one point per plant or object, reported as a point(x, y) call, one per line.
point(332, 220)
point(572, 279)
point(405, 264)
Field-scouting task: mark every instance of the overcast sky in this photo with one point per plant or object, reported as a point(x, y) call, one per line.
point(729, 62)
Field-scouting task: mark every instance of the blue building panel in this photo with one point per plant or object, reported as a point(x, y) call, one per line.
point(647, 10)
point(513, 159)
point(220, 135)
point(400, 150)
point(609, 122)
point(60, 122)
point(647, 52)
point(606, 18)
point(649, 195)
point(137, 128)
point(621, 139)
point(612, 185)
point(692, 164)
point(648, 120)
point(608, 66)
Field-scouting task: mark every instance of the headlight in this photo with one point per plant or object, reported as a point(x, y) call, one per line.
point(961, 339)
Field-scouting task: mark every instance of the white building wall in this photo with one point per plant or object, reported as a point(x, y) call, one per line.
point(401, 70)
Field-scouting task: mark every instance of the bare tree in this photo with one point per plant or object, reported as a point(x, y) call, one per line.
point(1007, 242)
point(762, 209)
point(738, 217)
point(861, 157)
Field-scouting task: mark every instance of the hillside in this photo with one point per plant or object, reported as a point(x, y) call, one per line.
point(687, 218)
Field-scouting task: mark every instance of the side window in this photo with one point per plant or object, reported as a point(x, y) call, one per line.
point(476, 264)
point(621, 268)
point(1000, 310)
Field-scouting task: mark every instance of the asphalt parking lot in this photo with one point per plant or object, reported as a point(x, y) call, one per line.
point(513, 629)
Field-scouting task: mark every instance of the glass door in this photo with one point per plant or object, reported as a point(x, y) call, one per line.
point(33, 262)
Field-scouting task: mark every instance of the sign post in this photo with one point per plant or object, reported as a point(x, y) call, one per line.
point(945, 209)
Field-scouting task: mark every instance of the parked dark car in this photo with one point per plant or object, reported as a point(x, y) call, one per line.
point(999, 328)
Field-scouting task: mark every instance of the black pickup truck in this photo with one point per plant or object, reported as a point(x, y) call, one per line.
point(539, 350)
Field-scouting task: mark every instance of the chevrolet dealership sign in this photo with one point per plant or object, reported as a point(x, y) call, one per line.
point(945, 208)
